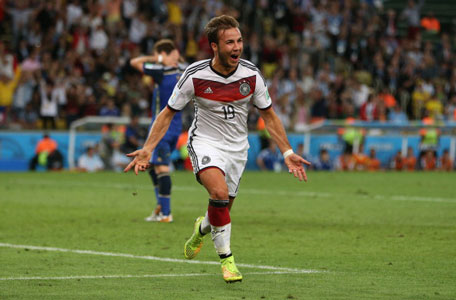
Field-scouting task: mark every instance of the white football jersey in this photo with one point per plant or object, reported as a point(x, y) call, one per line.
point(221, 102)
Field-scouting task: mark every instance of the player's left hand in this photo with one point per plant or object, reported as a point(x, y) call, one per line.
point(140, 161)
point(295, 166)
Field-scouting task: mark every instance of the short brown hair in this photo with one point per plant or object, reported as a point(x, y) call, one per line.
point(165, 45)
point(222, 22)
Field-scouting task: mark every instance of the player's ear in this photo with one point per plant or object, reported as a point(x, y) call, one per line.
point(214, 46)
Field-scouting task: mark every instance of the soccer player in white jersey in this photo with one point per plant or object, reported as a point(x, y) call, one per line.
point(221, 88)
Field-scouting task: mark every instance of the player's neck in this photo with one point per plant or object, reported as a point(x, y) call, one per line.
point(220, 68)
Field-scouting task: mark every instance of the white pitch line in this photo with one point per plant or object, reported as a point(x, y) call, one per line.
point(163, 259)
point(103, 276)
point(134, 276)
point(124, 186)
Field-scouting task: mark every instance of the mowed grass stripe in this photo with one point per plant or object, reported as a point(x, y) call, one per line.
point(140, 276)
point(123, 186)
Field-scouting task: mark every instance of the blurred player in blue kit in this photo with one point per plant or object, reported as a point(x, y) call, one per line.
point(165, 68)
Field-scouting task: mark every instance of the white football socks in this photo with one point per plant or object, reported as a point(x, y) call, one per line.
point(221, 237)
point(205, 227)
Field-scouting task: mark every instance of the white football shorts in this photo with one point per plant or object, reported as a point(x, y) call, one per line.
point(232, 164)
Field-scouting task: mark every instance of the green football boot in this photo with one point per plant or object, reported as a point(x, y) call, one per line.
point(230, 271)
point(193, 246)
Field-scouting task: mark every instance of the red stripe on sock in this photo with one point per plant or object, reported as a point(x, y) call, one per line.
point(218, 216)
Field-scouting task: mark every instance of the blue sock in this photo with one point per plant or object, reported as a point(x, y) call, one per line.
point(164, 192)
point(156, 195)
point(165, 205)
point(154, 178)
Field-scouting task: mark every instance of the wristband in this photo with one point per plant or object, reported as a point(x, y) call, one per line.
point(287, 153)
point(160, 58)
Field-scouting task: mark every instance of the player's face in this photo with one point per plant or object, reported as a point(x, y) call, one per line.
point(171, 59)
point(229, 48)
point(174, 56)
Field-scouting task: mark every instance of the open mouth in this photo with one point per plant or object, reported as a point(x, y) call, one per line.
point(234, 57)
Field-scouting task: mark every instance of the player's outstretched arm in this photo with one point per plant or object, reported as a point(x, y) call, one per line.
point(141, 157)
point(138, 62)
point(293, 161)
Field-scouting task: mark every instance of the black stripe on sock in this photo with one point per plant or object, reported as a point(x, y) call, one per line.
point(222, 256)
point(219, 203)
point(199, 229)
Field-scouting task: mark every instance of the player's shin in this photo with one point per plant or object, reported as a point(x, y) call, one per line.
point(153, 177)
point(164, 192)
point(219, 218)
point(205, 226)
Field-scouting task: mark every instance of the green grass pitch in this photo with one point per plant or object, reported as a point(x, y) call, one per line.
point(353, 236)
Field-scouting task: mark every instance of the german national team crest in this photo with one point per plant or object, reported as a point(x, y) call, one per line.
point(206, 160)
point(244, 88)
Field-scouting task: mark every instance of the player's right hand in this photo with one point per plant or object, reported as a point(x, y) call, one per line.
point(295, 166)
point(140, 161)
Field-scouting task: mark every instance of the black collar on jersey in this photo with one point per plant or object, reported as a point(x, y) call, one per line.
point(220, 74)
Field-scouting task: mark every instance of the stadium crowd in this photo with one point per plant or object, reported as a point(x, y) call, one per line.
point(63, 60)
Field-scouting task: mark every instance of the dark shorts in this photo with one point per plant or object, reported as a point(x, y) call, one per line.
point(162, 153)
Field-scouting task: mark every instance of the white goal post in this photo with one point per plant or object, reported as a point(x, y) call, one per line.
point(95, 120)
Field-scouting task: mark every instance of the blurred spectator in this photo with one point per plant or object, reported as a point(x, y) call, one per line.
point(7, 87)
point(109, 109)
point(138, 28)
point(23, 94)
point(430, 137)
point(98, 39)
point(412, 14)
point(51, 97)
point(359, 92)
point(90, 161)
point(373, 163)
point(324, 162)
point(74, 12)
point(368, 111)
point(184, 162)
point(20, 15)
point(301, 113)
point(134, 136)
point(119, 160)
point(397, 116)
point(8, 62)
point(430, 23)
point(301, 152)
point(450, 110)
point(410, 160)
point(345, 162)
point(387, 97)
point(351, 136)
point(428, 161)
point(283, 111)
point(397, 163)
point(270, 159)
point(47, 155)
point(319, 108)
point(391, 23)
point(263, 133)
point(445, 161)
point(361, 160)
point(110, 141)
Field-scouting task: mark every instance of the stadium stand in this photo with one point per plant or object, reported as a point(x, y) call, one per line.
point(322, 60)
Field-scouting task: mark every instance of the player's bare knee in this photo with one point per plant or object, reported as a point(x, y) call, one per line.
point(219, 194)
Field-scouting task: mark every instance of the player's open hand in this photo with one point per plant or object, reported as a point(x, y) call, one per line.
point(295, 164)
point(140, 161)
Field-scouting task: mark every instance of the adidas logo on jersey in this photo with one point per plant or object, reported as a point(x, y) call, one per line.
point(208, 91)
